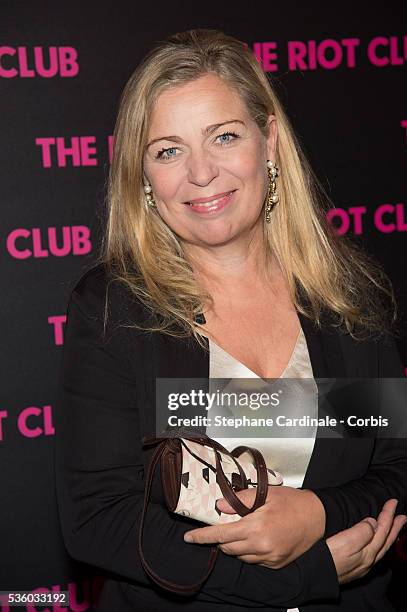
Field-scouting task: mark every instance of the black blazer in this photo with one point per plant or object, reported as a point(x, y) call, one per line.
point(106, 404)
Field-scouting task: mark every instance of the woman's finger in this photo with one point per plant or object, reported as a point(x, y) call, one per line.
point(251, 559)
point(372, 522)
point(224, 506)
point(352, 575)
point(398, 524)
point(238, 548)
point(359, 536)
point(214, 534)
point(384, 525)
point(357, 572)
point(247, 497)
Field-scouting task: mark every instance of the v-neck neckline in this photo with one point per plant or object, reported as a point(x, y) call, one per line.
point(247, 368)
point(174, 358)
point(323, 344)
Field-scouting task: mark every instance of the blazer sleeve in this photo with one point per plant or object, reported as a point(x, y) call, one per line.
point(386, 476)
point(100, 485)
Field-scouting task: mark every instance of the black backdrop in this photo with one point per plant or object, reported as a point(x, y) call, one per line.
point(62, 69)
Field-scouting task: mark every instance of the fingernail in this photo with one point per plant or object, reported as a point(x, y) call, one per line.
point(188, 538)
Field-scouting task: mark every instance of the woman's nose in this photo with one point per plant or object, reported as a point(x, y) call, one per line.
point(202, 168)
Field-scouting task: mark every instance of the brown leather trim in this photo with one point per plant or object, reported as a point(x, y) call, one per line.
point(169, 453)
point(179, 589)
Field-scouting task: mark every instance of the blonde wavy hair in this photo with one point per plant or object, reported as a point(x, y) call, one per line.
point(322, 269)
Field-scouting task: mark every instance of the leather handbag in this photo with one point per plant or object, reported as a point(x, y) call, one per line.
point(196, 470)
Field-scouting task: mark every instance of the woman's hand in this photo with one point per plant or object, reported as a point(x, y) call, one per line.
point(278, 532)
point(357, 549)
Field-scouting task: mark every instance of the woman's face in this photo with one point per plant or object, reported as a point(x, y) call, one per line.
point(206, 162)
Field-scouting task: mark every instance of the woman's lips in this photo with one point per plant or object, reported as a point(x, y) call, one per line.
point(211, 206)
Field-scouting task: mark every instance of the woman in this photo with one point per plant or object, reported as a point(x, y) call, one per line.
point(217, 239)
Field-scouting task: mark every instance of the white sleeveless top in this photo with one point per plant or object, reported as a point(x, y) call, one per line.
point(290, 456)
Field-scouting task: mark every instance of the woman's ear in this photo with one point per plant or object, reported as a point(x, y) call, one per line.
point(272, 137)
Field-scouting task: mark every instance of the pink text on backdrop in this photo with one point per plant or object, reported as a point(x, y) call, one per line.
point(387, 218)
point(110, 147)
point(266, 54)
point(403, 124)
point(58, 321)
point(385, 51)
point(45, 62)
point(327, 54)
point(83, 596)
point(3, 415)
point(352, 217)
point(33, 422)
point(79, 150)
point(25, 243)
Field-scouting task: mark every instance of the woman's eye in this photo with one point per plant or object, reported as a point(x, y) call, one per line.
point(166, 153)
point(171, 152)
point(227, 137)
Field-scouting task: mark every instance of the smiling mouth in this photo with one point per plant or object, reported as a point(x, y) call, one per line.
point(206, 203)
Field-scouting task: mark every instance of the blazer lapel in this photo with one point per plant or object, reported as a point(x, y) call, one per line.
point(180, 358)
point(327, 360)
point(181, 365)
point(324, 349)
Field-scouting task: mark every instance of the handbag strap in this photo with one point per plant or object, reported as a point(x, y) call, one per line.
point(262, 474)
point(162, 582)
point(227, 490)
point(262, 482)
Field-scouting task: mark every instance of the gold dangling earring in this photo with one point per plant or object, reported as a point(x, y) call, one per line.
point(272, 196)
point(149, 200)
